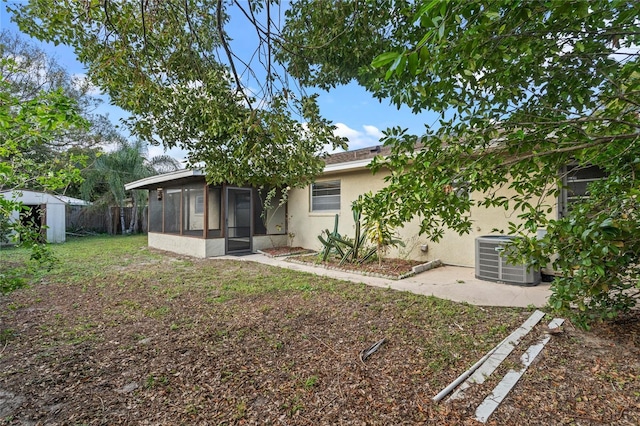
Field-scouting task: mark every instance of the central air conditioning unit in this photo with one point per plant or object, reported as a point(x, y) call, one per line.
point(492, 265)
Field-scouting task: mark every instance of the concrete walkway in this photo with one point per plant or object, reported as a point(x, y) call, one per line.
point(447, 282)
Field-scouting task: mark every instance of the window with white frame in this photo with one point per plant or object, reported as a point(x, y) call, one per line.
point(576, 180)
point(325, 196)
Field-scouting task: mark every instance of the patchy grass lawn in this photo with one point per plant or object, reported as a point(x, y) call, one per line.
point(119, 334)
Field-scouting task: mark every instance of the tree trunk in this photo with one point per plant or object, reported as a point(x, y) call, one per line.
point(110, 221)
point(133, 224)
point(122, 227)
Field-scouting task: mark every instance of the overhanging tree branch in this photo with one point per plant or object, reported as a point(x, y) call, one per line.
point(225, 46)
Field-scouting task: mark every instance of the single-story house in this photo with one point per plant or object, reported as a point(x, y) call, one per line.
point(44, 209)
point(177, 210)
point(345, 177)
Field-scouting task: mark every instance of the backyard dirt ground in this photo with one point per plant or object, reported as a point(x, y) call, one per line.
point(152, 338)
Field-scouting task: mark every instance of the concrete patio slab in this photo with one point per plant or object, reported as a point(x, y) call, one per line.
point(455, 283)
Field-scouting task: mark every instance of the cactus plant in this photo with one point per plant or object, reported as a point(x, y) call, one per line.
point(330, 242)
point(352, 254)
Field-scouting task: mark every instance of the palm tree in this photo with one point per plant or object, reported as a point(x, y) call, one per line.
point(104, 181)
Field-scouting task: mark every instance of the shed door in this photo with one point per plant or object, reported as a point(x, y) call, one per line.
point(34, 217)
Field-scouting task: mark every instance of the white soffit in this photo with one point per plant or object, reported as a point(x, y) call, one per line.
point(351, 165)
point(163, 178)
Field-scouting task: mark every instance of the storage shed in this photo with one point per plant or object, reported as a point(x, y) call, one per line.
point(44, 209)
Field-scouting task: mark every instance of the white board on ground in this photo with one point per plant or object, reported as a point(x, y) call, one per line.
point(491, 402)
point(499, 354)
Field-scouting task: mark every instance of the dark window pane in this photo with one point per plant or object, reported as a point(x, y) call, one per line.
point(155, 210)
point(172, 210)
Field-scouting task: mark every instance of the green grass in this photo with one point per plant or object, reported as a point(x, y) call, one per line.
point(16, 269)
point(6, 335)
point(109, 295)
point(205, 336)
point(129, 284)
point(310, 382)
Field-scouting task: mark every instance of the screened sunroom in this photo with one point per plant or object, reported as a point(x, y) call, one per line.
point(188, 216)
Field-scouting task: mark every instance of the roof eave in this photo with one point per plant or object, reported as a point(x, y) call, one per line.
point(348, 166)
point(157, 180)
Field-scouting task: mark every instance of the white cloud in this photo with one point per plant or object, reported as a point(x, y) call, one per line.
point(369, 136)
point(372, 131)
point(81, 81)
point(36, 68)
point(257, 101)
point(625, 54)
point(155, 151)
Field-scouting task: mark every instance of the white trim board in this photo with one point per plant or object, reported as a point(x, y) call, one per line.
point(499, 393)
point(500, 353)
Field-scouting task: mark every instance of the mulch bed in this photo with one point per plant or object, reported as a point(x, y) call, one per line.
point(285, 251)
point(390, 267)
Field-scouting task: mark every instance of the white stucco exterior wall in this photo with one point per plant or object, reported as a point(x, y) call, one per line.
point(199, 247)
point(276, 219)
point(190, 246)
point(261, 242)
point(452, 249)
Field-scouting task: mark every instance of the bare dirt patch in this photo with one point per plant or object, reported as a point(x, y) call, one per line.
point(137, 337)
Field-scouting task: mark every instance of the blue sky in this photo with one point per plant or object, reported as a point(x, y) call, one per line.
point(357, 115)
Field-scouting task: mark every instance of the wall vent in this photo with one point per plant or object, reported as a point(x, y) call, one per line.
point(491, 265)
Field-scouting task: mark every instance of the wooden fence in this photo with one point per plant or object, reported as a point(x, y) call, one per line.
point(92, 219)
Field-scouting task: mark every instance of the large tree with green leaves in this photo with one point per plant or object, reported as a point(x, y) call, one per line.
point(28, 72)
point(25, 126)
point(28, 124)
point(169, 63)
point(523, 88)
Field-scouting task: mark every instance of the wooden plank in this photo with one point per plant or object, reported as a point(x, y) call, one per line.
point(499, 354)
point(499, 393)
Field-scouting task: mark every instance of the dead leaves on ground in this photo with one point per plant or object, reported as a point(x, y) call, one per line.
point(167, 348)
